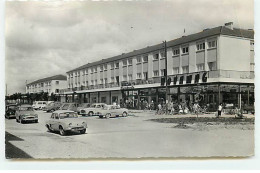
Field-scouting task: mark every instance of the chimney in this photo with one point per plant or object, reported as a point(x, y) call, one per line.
point(229, 25)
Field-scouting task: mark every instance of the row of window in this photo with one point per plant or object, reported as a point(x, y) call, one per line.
point(144, 59)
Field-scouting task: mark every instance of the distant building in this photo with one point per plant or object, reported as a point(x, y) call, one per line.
point(50, 85)
point(213, 66)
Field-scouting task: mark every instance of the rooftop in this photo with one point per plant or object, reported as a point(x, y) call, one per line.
point(56, 77)
point(220, 30)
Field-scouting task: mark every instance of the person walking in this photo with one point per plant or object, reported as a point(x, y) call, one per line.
point(196, 108)
point(219, 110)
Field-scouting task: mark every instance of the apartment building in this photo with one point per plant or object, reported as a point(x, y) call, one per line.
point(50, 85)
point(213, 66)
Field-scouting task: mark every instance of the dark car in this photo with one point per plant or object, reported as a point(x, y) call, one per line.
point(69, 106)
point(51, 107)
point(26, 113)
point(10, 111)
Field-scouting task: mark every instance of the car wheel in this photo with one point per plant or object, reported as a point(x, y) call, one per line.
point(124, 114)
point(20, 120)
point(108, 115)
point(36, 121)
point(62, 132)
point(90, 113)
point(82, 131)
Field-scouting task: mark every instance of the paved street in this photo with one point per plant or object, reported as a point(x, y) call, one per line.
point(129, 137)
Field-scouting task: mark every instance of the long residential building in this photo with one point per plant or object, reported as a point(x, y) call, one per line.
point(213, 66)
point(50, 85)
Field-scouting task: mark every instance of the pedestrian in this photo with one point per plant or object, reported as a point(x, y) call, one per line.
point(196, 108)
point(159, 108)
point(219, 110)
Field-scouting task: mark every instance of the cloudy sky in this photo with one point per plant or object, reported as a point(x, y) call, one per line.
point(49, 38)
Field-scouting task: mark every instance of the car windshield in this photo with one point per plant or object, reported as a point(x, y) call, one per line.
point(68, 115)
point(11, 107)
point(93, 106)
point(26, 109)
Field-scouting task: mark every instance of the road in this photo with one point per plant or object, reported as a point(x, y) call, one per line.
point(128, 137)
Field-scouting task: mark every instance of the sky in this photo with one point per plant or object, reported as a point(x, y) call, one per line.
point(43, 39)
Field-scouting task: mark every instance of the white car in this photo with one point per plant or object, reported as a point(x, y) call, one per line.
point(39, 105)
point(112, 111)
point(65, 121)
point(94, 109)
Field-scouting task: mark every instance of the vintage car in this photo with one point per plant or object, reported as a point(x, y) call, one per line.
point(65, 121)
point(112, 111)
point(68, 106)
point(94, 109)
point(25, 113)
point(83, 106)
point(10, 111)
point(38, 105)
point(51, 107)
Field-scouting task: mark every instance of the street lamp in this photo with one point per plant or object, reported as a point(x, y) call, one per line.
point(166, 75)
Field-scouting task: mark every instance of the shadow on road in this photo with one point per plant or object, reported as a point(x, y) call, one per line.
point(12, 152)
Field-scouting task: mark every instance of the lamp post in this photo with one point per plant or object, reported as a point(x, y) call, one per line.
point(166, 75)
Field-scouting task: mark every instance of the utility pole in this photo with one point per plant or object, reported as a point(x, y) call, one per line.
point(166, 77)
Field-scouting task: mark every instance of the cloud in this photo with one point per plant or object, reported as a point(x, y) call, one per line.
point(49, 38)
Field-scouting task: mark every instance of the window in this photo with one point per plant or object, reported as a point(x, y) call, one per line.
point(212, 44)
point(105, 67)
point(130, 61)
point(185, 50)
point(86, 72)
point(124, 77)
point(139, 60)
point(130, 77)
point(156, 57)
point(212, 66)
point(155, 73)
point(112, 79)
point(92, 70)
point(95, 69)
point(105, 79)
point(96, 82)
point(101, 68)
point(117, 65)
point(92, 82)
point(145, 58)
point(176, 52)
point(139, 75)
point(112, 65)
point(175, 70)
point(101, 81)
point(145, 75)
point(162, 55)
point(185, 69)
point(57, 82)
point(252, 66)
point(124, 63)
point(200, 67)
point(162, 72)
point(201, 46)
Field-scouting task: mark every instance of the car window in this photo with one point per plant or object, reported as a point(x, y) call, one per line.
point(11, 107)
point(68, 115)
point(26, 109)
point(93, 106)
point(56, 116)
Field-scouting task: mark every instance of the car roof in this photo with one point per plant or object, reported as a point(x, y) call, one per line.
point(63, 111)
point(25, 105)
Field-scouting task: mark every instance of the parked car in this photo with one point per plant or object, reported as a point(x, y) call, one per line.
point(69, 106)
point(53, 106)
point(10, 111)
point(94, 109)
point(112, 111)
point(38, 105)
point(25, 113)
point(83, 106)
point(65, 121)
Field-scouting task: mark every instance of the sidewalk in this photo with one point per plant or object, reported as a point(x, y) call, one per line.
point(212, 114)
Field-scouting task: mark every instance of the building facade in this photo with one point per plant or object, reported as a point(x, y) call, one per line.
point(210, 67)
point(50, 85)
